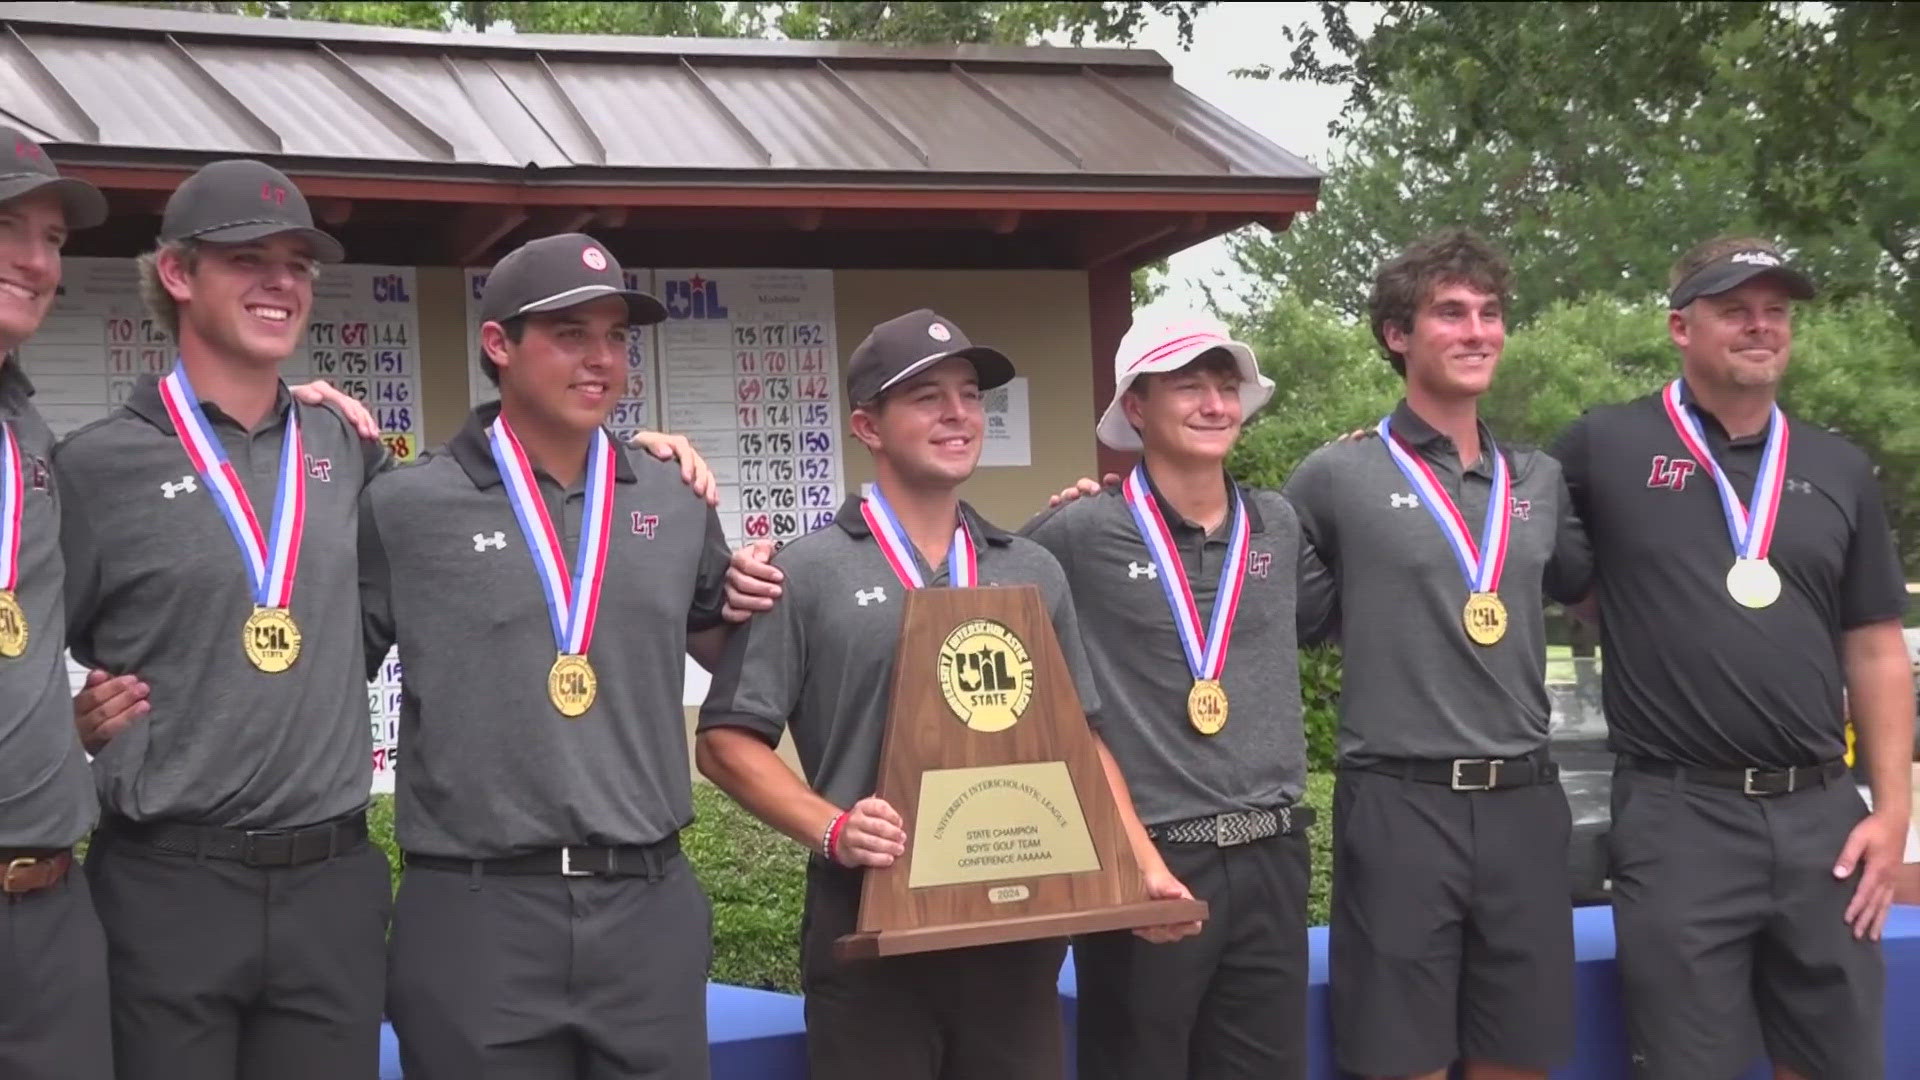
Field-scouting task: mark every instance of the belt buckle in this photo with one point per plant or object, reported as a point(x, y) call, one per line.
point(1222, 837)
point(566, 865)
point(251, 851)
point(1747, 778)
point(1493, 772)
point(24, 862)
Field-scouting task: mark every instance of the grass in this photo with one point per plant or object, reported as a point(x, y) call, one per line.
point(756, 879)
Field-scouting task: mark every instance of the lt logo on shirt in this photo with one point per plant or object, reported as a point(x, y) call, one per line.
point(320, 469)
point(645, 524)
point(1670, 473)
point(173, 490)
point(1258, 561)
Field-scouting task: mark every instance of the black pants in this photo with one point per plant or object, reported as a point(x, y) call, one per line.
point(1732, 933)
point(1452, 929)
point(221, 970)
point(53, 986)
point(497, 977)
point(1229, 1003)
point(989, 1013)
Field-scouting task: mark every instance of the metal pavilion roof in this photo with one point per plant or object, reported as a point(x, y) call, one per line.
point(109, 85)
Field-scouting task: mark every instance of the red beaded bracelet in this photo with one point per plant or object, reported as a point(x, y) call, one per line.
point(831, 841)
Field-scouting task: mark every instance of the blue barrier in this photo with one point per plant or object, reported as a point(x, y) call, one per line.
point(758, 1035)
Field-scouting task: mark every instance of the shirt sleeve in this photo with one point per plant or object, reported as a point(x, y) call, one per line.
point(710, 580)
point(758, 682)
point(1872, 587)
point(81, 554)
point(377, 459)
point(1569, 576)
point(376, 590)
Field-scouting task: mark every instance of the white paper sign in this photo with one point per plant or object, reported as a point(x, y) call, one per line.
point(1009, 439)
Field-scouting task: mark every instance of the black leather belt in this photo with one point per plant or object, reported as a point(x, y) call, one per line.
point(1470, 774)
point(1759, 780)
point(644, 860)
point(249, 847)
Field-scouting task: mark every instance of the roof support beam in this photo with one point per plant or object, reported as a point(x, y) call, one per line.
point(248, 118)
point(439, 144)
point(731, 118)
point(1153, 116)
point(1006, 108)
point(71, 112)
point(475, 229)
point(333, 213)
point(550, 220)
point(807, 219)
point(573, 111)
point(898, 134)
point(1001, 222)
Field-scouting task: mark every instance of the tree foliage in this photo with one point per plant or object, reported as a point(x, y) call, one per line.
point(1596, 141)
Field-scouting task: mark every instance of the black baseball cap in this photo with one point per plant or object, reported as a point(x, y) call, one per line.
point(1734, 269)
point(26, 168)
point(556, 272)
point(902, 347)
point(232, 202)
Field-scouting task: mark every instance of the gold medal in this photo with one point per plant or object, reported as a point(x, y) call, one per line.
point(1485, 618)
point(13, 626)
point(271, 639)
point(1753, 583)
point(1207, 706)
point(571, 684)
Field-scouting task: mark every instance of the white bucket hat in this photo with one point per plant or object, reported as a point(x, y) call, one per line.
point(1167, 343)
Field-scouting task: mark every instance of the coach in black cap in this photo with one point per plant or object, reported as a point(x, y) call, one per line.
point(1750, 595)
point(53, 985)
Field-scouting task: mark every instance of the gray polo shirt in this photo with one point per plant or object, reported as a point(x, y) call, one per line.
point(46, 797)
point(1259, 759)
point(490, 768)
point(156, 587)
point(1413, 685)
point(821, 662)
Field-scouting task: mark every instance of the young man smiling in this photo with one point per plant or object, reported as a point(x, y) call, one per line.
point(53, 992)
point(1451, 935)
point(1184, 581)
point(820, 662)
point(1748, 581)
point(539, 794)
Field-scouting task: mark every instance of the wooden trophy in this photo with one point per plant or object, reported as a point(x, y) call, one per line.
point(1012, 832)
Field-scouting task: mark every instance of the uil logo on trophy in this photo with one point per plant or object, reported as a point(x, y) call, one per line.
point(985, 675)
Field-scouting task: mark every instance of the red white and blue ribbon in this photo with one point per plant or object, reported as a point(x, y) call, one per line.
point(1481, 564)
point(573, 602)
point(963, 563)
point(271, 556)
point(13, 498)
point(1205, 645)
point(1751, 532)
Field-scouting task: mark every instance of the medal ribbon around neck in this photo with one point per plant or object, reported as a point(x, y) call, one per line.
point(13, 499)
point(963, 563)
point(271, 557)
point(1481, 564)
point(573, 603)
point(1752, 534)
point(1205, 646)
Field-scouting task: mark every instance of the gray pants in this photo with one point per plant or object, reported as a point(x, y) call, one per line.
point(1731, 931)
point(53, 986)
point(1452, 928)
point(1229, 1003)
point(496, 977)
point(221, 970)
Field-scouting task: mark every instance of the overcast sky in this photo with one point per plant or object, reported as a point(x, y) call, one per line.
point(1293, 114)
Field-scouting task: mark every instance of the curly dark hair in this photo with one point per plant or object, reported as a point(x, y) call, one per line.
point(1456, 256)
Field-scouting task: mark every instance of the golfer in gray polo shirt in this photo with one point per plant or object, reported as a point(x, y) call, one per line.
point(820, 663)
point(53, 988)
point(1185, 585)
point(1451, 935)
point(544, 585)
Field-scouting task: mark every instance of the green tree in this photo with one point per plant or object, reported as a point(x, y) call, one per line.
point(1595, 141)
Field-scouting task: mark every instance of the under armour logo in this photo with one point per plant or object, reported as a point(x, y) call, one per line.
point(645, 524)
point(320, 469)
point(186, 484)
point(875, 595)
point(1258, 561)
point(498, 541)
point(1803, 487)
point(1403, 502)
point(1149, 571)
point(1670, 473)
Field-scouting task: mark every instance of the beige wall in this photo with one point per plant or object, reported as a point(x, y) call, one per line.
point(1037, 317)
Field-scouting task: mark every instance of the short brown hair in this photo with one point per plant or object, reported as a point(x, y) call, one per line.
point(1699, 255)
point(1454, 257)
point(1216, 360)
point(153, 291)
